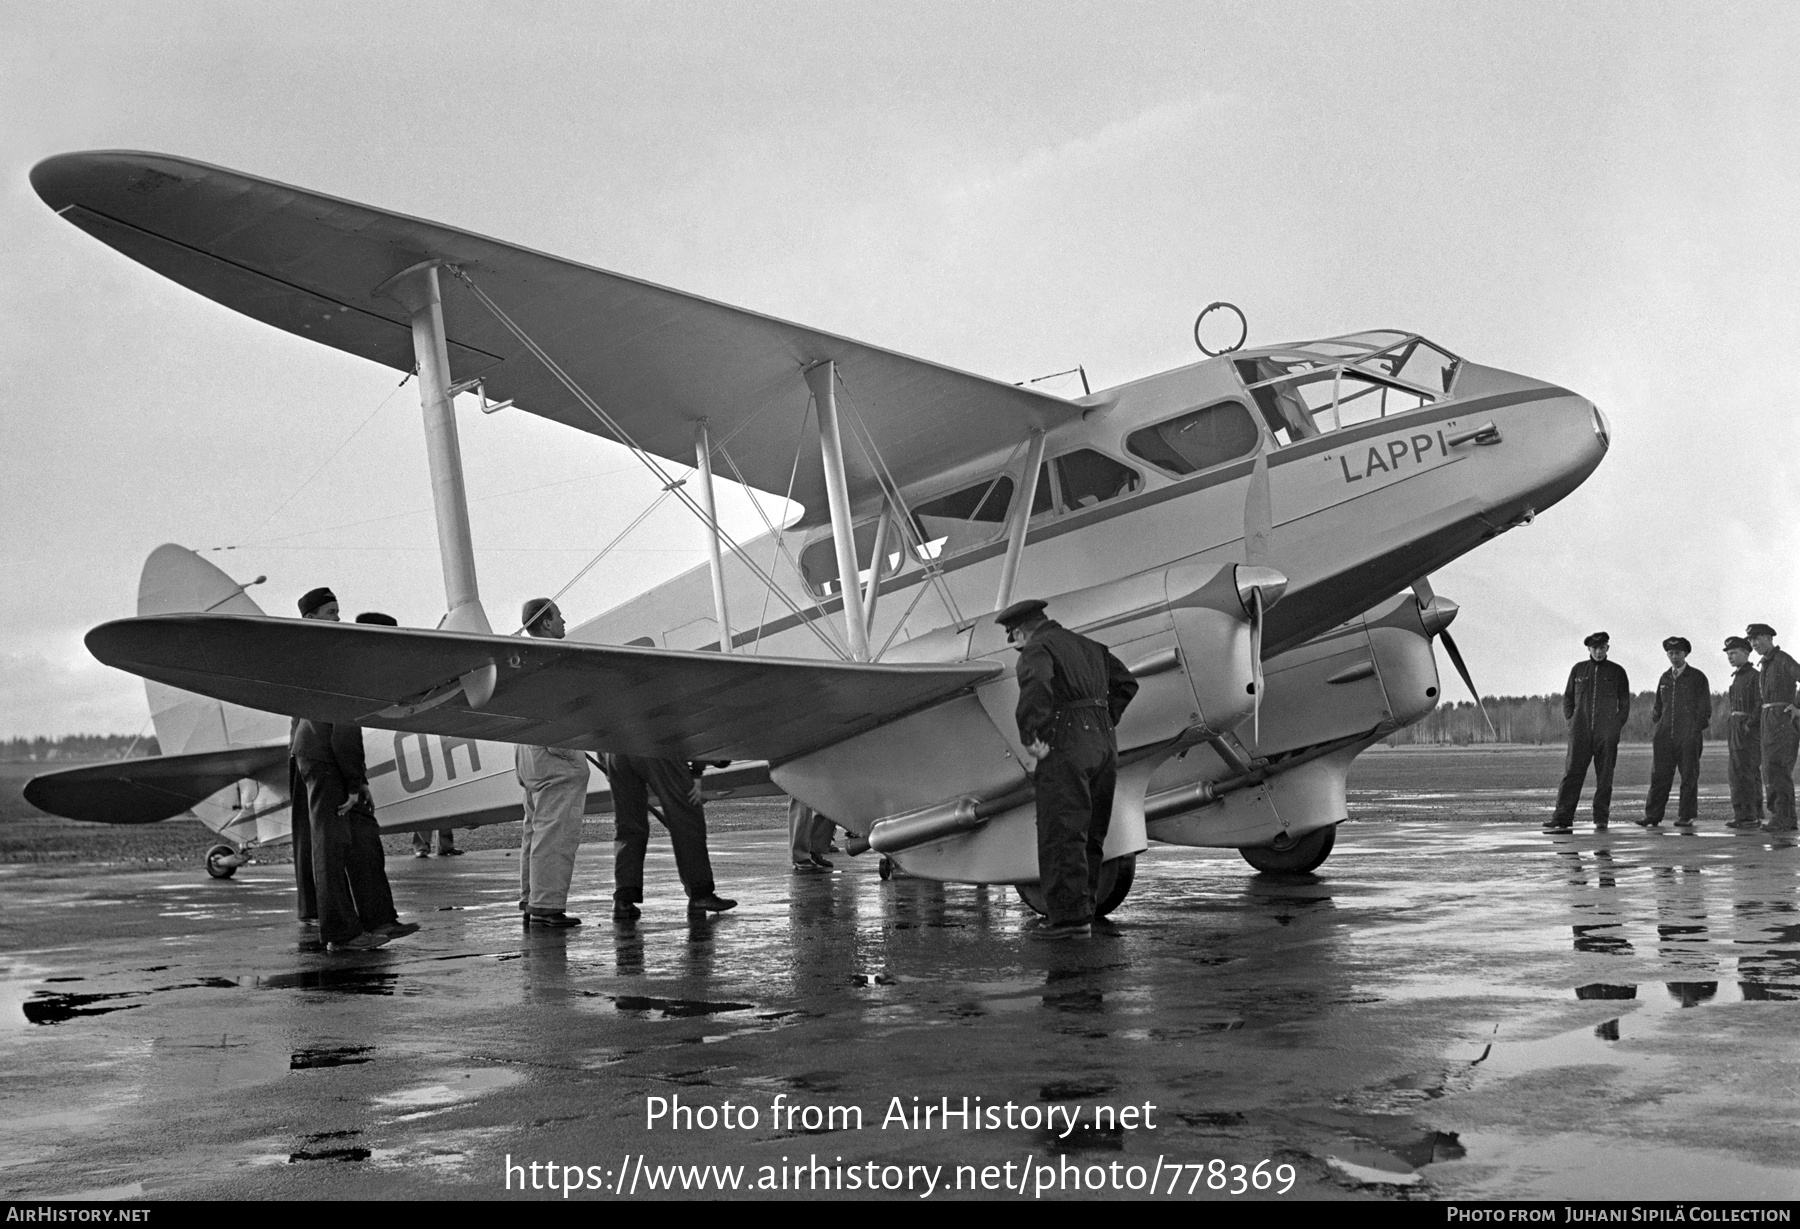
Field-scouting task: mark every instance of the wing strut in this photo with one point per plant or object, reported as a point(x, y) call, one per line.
point(416, 289)
point(1015, 538)
point(703, 451)
point(822, 377)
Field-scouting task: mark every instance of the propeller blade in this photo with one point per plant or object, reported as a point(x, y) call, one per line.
point(1256, 666)
point(1422, 590)
point(1258, 518)
point(1456, 659)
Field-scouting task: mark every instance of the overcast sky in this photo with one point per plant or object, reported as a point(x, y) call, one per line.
point(1603, 196)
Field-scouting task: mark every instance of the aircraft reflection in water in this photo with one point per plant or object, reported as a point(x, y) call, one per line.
point(1252, 534)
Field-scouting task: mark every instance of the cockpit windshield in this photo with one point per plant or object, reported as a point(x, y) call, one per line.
point(1313, 387)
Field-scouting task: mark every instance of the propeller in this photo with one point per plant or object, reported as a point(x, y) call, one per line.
point(1437, 613)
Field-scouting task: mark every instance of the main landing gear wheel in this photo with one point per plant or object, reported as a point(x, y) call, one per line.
point(218, 862)
point(1300, 858)
point(885, 868)
point(1116, 878)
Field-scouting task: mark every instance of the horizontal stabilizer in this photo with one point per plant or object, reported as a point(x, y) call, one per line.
point(144, 791)
point(638, 701)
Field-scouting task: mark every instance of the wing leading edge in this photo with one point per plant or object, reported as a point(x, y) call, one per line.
point(662, 702)
point(657, 359)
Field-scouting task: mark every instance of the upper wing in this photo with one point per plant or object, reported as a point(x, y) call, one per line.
point(661, 702)
point(143, 791)
point(658, 360)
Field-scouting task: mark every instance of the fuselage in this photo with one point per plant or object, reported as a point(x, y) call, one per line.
point(1361, 503)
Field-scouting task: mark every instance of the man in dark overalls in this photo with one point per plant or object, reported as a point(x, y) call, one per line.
point(1681, 712)
point(1780, 736)
point(1072, 692)
point(1744, 736)
point(1595, 704)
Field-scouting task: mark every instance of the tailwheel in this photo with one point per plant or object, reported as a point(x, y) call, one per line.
point(222, 861)
point(1116, 878)
point(1299, 858)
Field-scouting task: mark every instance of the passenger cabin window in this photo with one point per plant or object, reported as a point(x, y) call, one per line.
point(961, 519)
point(1197, 441)
point(818, 561)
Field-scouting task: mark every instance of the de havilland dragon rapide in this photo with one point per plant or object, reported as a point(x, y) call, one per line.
point(1252, 534)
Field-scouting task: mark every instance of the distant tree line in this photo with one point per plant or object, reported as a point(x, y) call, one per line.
point(76, 747)
point(1530, 719)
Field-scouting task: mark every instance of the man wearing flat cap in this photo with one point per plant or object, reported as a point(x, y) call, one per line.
point(1595, 704)
point(1780, 735)
point(1072, 692)
point(1681, 712)
point(1744, 735)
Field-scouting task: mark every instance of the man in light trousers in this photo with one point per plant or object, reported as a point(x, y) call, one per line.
point(555, 780)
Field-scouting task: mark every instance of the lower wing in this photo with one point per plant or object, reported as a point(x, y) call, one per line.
point(637, 701)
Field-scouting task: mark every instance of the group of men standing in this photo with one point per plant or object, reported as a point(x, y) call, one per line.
point(555, 781)
point(1072, 692)
point(1763, 734)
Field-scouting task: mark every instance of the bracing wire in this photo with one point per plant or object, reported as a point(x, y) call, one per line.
point(650, 462)
point(327, 461)
point(793, 475)
point(607, 549)
point(781, 545)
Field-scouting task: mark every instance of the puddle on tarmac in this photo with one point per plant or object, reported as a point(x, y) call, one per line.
point(456, 1085)
point(56, 1007)
point(336, 1056)
point(343, 981)
point(1569, 1166)
point(677, 1009)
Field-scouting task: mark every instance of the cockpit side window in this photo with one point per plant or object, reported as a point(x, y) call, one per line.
point(1196, 441)
point(1316, 389)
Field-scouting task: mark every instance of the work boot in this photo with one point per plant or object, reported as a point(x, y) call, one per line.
point(421, 853)
point(1599, 825)
point(625, 911)
point(450, 853)
point(397, 929)
point(1646, 823)
point(1050, 931)
point(1685, 823)
point(556, 921)
point(366, 941)
point(821, 863)
point(1559, 825)
point(712, 902)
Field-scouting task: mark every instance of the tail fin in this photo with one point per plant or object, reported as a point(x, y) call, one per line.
point(177, 581)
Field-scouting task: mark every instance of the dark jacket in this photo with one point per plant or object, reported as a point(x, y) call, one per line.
point(1597, 699)
point(1780, 676)
point(1683, 706)
point(340, 745)
point(1060, 671)
point(1746, 706)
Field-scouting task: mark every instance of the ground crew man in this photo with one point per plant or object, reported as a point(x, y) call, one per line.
point(1780, 734)
point(322, 604)
point(1072, 692)
point(555, 780)
point(809, 837)
point(1681, 712)
point(677, 786)
point(1595, 704)
point(1744, 736)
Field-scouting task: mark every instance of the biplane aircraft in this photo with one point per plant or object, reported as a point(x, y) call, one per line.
point(1253, 534)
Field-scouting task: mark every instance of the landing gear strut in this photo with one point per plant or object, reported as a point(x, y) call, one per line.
point(1299, 858)
point(1116, 876)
